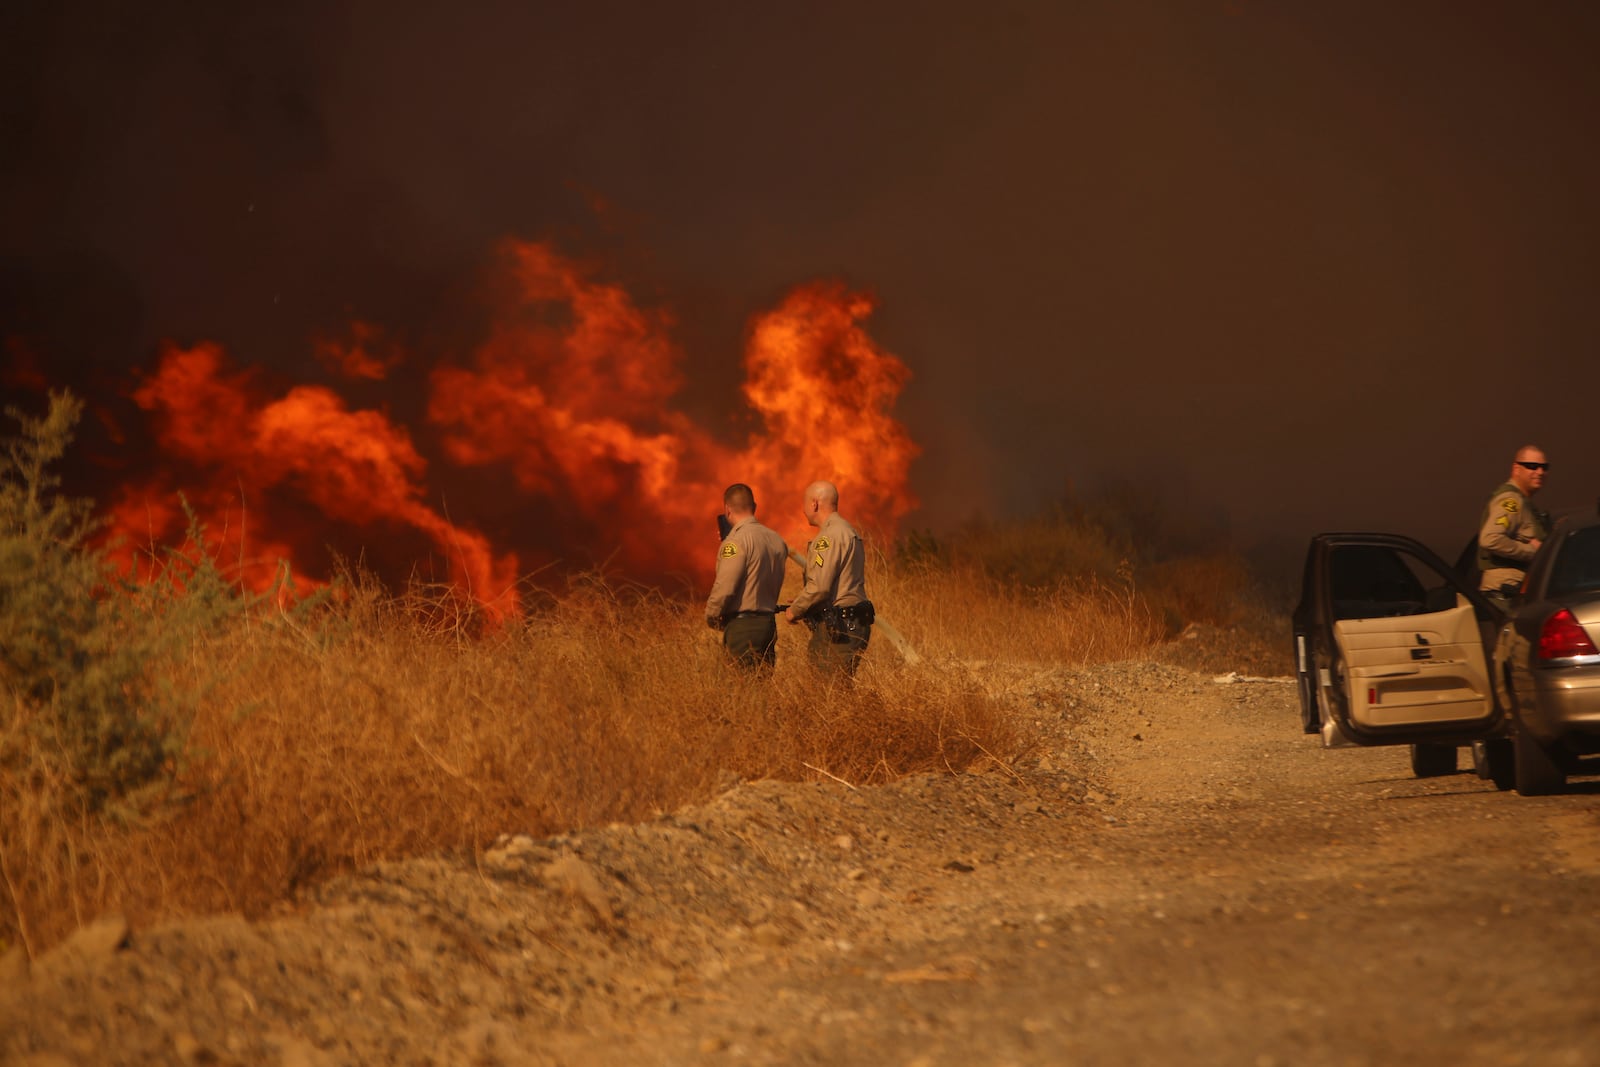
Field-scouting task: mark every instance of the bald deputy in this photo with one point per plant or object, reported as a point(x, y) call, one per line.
point(1512, 529)
point(835, 594)
point(744, 598)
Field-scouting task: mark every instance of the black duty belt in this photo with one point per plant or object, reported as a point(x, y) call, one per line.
point(753, 614)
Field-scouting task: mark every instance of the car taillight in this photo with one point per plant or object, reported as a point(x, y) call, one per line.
point(1562, 638)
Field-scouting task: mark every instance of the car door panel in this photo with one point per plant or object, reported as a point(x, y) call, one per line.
point(1415, 669)
point(1398, 645)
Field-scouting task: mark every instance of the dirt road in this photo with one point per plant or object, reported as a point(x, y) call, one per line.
point(1178, 876)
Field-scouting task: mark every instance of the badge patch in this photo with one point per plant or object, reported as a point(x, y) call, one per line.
point(821, 545)
point(816, 561)
point(729, 550)
point(1504, 522)
point(1511, 505)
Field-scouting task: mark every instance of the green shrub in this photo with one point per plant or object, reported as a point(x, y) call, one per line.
point(81, 647)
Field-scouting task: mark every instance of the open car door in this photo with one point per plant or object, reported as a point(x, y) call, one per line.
point(1392, 646)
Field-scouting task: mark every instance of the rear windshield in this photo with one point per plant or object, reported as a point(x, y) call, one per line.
point(1577, 565)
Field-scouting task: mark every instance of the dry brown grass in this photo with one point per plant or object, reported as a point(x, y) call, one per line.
point(382, 727)
point(964, 613)
point(378, 727)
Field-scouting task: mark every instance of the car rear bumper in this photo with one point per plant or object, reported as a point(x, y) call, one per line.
point(1566, 701)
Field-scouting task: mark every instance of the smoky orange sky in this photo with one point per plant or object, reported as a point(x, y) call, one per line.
point(1283, 267)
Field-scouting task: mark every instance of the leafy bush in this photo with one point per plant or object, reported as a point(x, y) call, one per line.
point(79, 643)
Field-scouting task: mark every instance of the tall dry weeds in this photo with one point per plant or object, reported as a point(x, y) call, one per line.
point(377, 727)
point(962, 612)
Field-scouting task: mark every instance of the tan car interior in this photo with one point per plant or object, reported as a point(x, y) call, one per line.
point(1415, 668)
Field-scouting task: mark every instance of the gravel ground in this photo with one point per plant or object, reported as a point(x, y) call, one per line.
point(1178, 876)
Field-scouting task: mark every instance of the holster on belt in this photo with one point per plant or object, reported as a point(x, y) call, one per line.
point(843, 622)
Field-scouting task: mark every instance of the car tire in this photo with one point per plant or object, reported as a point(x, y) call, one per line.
point(1433, 761)
point(1538, 772)
point(1495, 761)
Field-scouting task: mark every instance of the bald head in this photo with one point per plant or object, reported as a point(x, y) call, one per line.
point(821, 500)
point(1527, 469)
point(826, 492)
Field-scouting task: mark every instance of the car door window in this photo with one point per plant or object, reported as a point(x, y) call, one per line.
point(1380, 581)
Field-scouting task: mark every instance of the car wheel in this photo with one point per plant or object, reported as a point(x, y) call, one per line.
point(1433, 761)
point(1494, 761)
point(1538, 773)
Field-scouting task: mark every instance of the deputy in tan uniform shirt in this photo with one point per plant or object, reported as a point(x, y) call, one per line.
point(744, 597)
point(1512, 529)
point(834, 599)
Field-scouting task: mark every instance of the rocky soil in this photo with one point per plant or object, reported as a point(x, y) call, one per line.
point(1180, 876)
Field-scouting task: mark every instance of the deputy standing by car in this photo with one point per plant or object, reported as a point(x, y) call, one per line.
point(744, 598)
point(1512, 528)
point(834, 600)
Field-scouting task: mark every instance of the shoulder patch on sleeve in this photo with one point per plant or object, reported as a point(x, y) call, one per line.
point(821, 545)
point(729, 550)
point(816, 560)
point(1511, 504)
point(1504, 522)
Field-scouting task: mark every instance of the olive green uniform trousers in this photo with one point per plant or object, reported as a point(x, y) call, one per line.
point(838, 651)
point(752, 641)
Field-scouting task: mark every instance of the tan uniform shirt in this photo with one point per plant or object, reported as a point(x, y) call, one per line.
point(750, 567)
point(836, 564)
point(1509, 524)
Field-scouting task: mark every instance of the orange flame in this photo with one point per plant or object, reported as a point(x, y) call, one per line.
point(569, 390)
point(363, 355)
point(824, 391)
point(146, 520)
point(355, 467)
point(569, 396)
